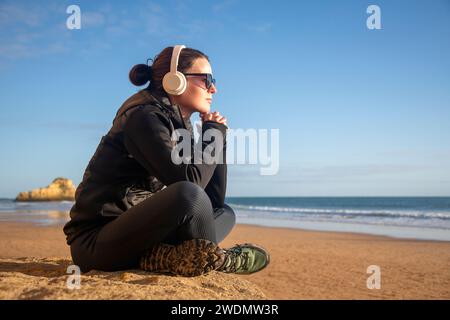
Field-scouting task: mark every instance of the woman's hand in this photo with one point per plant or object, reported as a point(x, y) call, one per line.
point(214, 116)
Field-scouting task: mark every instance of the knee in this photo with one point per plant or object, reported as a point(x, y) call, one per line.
point(192, 198)
point(231, 213)
point(227, 214)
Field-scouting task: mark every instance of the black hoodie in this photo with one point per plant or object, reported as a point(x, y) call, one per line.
point(133, 161)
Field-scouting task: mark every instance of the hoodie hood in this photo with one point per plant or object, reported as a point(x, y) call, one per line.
point(148, 96)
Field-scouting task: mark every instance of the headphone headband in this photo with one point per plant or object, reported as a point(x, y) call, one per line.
point(175, 55)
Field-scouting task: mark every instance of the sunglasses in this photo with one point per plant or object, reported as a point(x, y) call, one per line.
point(209, 80)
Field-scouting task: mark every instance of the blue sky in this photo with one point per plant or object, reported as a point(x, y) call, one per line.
point(360, 112)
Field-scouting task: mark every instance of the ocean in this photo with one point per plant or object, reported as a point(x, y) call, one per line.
point(401, 217)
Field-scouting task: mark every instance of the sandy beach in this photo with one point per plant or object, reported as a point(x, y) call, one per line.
point(304, 265)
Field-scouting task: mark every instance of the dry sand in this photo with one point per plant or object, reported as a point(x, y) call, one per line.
point(304, 265)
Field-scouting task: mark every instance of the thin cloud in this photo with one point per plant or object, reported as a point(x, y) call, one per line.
point(28, 32)
point(24, 32)
point(351, 173)
point(60, 125)
point(261, 28)
point(434, 155)
point(92, 19)
point(17, 51)
point(222, 5)
point(13, 14)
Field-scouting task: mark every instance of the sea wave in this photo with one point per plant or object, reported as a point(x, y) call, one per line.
point(368, 213)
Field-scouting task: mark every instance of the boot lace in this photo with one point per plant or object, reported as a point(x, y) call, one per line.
point(236, 259)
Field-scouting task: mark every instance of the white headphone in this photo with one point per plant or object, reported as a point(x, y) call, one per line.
point(174, 82)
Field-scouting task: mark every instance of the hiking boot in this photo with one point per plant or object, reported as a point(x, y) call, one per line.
point(190, 258)
point(245, 259)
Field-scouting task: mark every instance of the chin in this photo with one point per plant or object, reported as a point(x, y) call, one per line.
point(204, 108)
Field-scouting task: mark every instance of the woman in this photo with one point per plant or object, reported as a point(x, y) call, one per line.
point(135, 206)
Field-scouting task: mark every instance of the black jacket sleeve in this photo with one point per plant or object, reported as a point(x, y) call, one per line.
point(217, 186)
point(147, 137)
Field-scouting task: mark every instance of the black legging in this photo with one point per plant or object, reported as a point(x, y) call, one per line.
point(181, 211)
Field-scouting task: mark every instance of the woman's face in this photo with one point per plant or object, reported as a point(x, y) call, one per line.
point(196, 97)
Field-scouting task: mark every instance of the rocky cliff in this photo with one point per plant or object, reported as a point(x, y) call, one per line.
point(59, 189)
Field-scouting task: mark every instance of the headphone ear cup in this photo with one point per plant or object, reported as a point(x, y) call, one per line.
point(174, 83)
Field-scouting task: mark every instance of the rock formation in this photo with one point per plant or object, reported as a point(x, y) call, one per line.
point(59, 189)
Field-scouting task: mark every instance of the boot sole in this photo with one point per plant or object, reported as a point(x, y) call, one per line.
point(190, 258)
point(196, 257)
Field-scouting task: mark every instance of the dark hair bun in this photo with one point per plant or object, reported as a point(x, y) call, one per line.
point(140, 74)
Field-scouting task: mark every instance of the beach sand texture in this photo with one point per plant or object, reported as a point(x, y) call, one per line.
point(304, 265)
